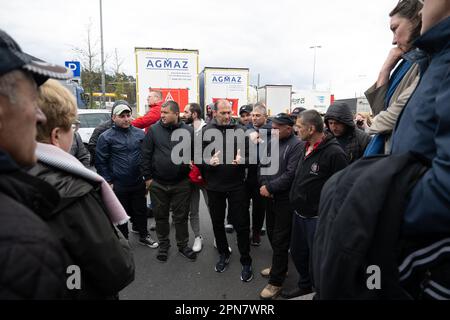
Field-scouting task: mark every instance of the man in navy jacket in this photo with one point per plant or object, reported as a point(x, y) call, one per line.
point(424, 126)
point(118, 155)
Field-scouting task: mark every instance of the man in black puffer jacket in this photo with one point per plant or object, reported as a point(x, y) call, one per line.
point(167, 179)
point(225, 180)
point(339, 121)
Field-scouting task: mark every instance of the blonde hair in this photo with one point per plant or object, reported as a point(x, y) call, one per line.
point(58, 105)
point(367, 116)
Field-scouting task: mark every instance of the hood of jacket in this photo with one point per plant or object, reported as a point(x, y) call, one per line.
point(340, 111)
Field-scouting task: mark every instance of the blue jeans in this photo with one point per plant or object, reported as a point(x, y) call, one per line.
point(302, 236)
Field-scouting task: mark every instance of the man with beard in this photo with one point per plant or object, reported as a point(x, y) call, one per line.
point(193, 117)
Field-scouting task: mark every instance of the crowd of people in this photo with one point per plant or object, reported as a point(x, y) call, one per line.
point(57, 212)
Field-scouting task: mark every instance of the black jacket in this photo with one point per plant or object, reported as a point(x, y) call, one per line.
point(79, 151)
point(252, 171)
point(361, 211)
point(279, 184)
point(157, 149)
point(354, 141)
point(102, 127)
point(119, 155)
point(224, 177)
point(32, 261)
point(312, 173)
point(81, 223)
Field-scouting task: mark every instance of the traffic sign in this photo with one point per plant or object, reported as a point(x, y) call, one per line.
point(75, 66)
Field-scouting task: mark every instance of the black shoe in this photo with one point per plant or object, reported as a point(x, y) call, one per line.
point(247, 273)
point(149, 242)
point(188, 253)
point(224, 260)
point(297, 292)
point(163, 254)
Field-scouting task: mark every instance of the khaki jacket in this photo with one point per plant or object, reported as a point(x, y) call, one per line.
point(385, 120)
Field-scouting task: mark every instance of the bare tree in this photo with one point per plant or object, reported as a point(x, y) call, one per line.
point(88, 56)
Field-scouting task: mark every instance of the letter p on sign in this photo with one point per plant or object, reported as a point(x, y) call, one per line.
point(75, 67)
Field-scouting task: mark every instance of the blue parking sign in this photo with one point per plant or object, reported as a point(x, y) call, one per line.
point(75, 66)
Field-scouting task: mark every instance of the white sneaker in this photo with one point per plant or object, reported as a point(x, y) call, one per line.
point(197, 247)
point(215, 246)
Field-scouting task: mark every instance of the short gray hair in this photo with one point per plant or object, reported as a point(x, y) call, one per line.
point(261, 107)
point(8, 84)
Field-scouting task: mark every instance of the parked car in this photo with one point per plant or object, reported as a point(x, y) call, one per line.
point(89, 120)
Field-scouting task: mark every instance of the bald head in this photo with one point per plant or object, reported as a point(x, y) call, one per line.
point(223, 113)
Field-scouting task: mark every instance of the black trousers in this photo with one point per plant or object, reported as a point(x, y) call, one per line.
point(241, 221)
point(135, 204)
point(258, 207)
point(303, 230)
point(279, 225)
point(178, 197)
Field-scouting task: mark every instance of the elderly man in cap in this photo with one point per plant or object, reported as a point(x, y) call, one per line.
point(275, 189)
point(118, 155)
point(33, 263)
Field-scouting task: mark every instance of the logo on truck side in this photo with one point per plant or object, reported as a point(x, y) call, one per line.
point(226, 79)
point(167, 64)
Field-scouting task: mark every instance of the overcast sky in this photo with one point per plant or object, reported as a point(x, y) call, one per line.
point(272, 38)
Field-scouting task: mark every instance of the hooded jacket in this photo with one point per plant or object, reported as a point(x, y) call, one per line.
point(424, 128)
point(354, 141)
point(81, 224)
point(224, 177)
point(33, 262)
point(312, 172)
point(150, 118)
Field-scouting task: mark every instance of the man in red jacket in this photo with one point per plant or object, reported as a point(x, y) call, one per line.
point(154, 114)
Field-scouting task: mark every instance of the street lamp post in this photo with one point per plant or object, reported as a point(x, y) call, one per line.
point(314, 68)
point(103, 57)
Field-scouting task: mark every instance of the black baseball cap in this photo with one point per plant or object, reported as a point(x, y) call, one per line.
point(297, 111)
point(283, 118)
point(13, 58)
point(245, 108)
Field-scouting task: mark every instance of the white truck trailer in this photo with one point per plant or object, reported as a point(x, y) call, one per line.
point(277, 98)
point(174, 72)
point(225, 83)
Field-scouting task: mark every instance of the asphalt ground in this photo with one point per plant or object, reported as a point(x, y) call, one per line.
point(181, 279)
